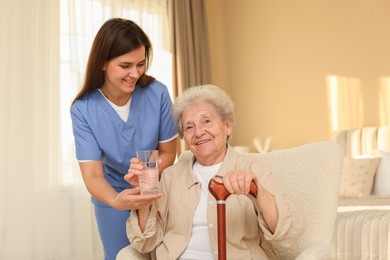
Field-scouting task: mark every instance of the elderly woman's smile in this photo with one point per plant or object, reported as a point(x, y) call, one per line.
point(205, 133)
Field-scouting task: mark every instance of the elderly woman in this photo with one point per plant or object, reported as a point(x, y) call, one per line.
point(184, 223)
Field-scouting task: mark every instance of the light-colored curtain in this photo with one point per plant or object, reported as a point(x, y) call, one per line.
point(190, 47)
point(45, 210)
point(40, 217)
point(29, 132)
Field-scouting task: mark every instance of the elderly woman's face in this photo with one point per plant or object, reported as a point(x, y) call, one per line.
point(205, 133)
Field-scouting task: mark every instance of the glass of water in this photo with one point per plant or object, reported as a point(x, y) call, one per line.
point(148, 180)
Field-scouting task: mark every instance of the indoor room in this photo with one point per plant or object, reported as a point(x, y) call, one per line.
point(310, 83)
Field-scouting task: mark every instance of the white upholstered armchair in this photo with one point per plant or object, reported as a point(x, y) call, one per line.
point(310, 175)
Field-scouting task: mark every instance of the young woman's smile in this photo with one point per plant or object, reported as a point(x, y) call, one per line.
point(122, 74)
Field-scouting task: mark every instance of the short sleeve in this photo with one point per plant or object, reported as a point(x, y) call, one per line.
point(167, 122)
point(86, 145)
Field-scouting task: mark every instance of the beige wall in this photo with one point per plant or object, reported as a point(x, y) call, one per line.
point(273, 57)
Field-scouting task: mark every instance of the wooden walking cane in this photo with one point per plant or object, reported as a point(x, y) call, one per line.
point(220, 193)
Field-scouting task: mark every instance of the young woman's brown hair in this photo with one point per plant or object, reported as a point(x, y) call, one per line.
point(116, 37)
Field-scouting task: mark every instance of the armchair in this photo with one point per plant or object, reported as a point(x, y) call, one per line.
point(310, 175)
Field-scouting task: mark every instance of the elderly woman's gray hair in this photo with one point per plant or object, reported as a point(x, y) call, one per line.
point(204, 93)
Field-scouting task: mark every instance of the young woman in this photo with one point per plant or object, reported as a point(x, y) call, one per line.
point(118, 111)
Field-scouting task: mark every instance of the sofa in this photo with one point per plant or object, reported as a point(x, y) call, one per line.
point(362, 228)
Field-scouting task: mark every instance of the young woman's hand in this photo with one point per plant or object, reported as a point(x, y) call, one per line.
point(130, 199)
point(134, 171)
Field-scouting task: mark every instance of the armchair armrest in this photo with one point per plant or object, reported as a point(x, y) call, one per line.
point(317, 251)
point(130, 253)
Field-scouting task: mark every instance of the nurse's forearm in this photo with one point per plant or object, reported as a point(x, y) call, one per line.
point(95, 182)
point(167, 154)
point(166, 160)
point(100, 189)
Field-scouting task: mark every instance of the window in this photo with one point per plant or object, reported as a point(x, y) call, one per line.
point(345, 102)
point(80, 20)
point(384, 97)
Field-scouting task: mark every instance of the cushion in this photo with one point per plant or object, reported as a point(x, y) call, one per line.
point(382, 177)
point(358, 177)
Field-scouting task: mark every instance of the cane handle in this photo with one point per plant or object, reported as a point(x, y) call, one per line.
point(218, 190)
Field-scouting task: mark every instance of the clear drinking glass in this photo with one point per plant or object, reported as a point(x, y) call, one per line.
point(148, 180)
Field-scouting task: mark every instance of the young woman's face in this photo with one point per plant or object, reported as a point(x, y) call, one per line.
point(205, 133)
point(123, 72)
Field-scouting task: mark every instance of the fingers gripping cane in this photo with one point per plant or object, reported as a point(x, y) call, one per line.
point(220, 193)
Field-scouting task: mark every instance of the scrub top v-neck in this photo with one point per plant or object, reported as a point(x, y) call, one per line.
point(101, 134)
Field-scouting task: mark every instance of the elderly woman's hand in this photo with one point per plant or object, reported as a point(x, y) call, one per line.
point(239, 181)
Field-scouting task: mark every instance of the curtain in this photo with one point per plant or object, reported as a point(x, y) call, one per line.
point(190, 44)
point(190, 47)
point(45, 209)
point(29, 193)
point(41, 217)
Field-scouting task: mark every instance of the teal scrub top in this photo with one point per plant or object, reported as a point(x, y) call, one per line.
point(100, 133)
